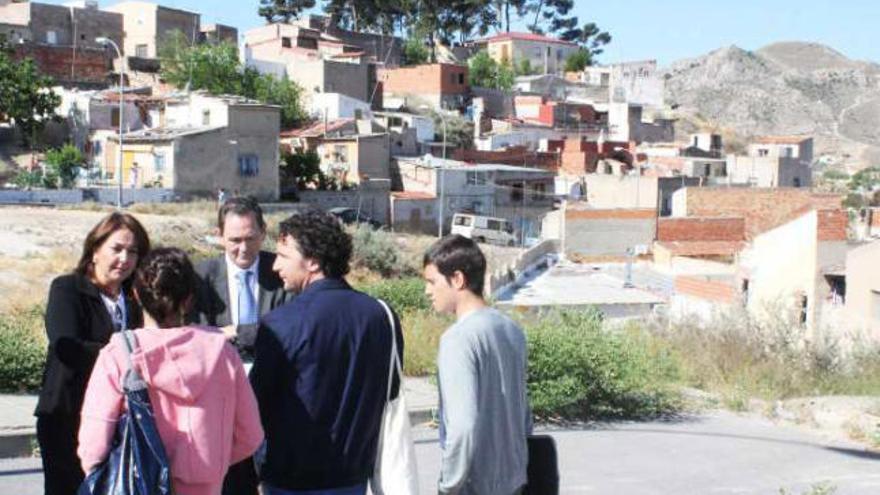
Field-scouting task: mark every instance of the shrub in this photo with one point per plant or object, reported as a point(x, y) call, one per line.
point(421, 336)
point(404, 295)
point(376, 250)
point(579, 370)
point(22, 350)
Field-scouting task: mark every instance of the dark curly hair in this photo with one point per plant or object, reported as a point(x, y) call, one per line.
point(320, 236)
point(165, 283)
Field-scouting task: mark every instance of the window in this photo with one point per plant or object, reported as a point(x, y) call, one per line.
point(763, 152)
point(516, 193)
point(461, 78)
point(493, 224)
point(159, 162)
point(804, 309)
point(140, 51)
point(476, 178)
point(358, 113)
point(206, 117)
point(114, 117)
point(340, 153)
point(538, 191)
point(248, 165)
point(285, 42)
point(51, 37)
point(462, 221)
point(788, 152)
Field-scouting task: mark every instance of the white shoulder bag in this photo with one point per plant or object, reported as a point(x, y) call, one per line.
point(395, 472)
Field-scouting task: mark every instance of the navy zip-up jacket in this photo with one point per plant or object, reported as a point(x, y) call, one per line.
point(320, 376)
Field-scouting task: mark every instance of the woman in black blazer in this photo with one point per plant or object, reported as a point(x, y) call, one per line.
point(83, 310)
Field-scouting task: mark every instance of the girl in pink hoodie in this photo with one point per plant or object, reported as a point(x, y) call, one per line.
point(205, 409)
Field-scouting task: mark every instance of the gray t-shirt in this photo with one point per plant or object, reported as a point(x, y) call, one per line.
point(485, 414)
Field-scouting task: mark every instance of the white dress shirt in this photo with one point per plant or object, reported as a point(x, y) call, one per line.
point(232, 271)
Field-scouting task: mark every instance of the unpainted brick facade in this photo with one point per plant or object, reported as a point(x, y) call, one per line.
point(762, 209)
point(701, 229)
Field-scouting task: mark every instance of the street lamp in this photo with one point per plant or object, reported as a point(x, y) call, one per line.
point(107, 41)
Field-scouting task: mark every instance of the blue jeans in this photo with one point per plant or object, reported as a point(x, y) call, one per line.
point(351, 490)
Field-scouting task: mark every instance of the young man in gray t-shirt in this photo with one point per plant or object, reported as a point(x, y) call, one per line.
point(481, 367)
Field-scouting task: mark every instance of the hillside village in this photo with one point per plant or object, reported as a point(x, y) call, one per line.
point(589, 165)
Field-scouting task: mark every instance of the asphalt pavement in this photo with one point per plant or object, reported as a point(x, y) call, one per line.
point(713, 453)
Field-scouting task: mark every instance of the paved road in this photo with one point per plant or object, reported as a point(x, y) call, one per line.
point(718, 453)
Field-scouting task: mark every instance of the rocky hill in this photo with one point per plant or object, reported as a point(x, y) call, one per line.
point(783, 88)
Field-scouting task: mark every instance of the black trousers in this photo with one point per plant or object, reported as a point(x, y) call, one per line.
point(56, 435)
point(241, 479)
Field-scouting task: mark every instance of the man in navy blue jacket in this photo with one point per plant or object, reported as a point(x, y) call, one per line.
point(321, 366)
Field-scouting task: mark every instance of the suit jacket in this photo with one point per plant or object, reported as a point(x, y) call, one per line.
point(320, 377)
point(212, 297)
point(77, 326)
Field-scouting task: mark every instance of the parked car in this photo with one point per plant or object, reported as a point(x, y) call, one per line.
point(350, 216)
point(484, 229)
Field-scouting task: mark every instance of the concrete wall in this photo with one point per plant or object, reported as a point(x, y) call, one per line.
point(638, 82)
point(169, 20)
point(535, 52)
point(336, 106)
point(373, 157)
point(788, 263)
point(608, 232)
point(863, 288)
point(139, 24)
point(254, 129)
point(417, 216)
point(371, 197)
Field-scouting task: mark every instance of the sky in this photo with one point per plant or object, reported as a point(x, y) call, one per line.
point(668, 30)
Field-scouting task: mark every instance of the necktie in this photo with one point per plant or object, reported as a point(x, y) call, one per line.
point(118, 318)
point(247, 304)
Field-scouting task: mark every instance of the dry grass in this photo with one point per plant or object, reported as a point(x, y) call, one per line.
point(421, 333)
point(27, 279)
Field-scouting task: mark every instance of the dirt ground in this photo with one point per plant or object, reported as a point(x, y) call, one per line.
point(37, 244)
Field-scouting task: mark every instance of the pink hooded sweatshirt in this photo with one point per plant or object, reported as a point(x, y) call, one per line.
point(204, 406)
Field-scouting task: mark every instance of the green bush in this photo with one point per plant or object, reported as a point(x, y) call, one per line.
point(579, 370)
point(402, 294)
point(376, 250)
point(22, 350)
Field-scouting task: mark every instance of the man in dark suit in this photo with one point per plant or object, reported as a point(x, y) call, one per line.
point(321, 368)
point(236, 289)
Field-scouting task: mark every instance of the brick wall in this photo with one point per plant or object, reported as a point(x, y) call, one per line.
point(515, 155)
point(705, 289)
point(832, 225)
point(425, 79)
point(763, 209)
point(701, 229)
point(92, 66)
point(615, 214)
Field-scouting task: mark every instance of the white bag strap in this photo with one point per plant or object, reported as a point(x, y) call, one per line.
point(394, 361)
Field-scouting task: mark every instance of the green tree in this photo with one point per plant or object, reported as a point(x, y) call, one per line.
point(524, 68)
point(25, 96)
point(415, 52)
point(283, 10)
point(218, 70)
point(215, 68)
point(484, 72)
point(481, 70)
point(63, 165)
point(578, 60)
point(302, 170)
point(865, 180)
point(282, 92)
point(589, 37)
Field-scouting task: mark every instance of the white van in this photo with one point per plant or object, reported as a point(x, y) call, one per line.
point(484, 229)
